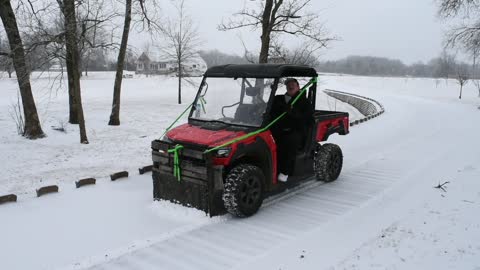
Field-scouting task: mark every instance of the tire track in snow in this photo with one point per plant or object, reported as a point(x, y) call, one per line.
point(227, 244)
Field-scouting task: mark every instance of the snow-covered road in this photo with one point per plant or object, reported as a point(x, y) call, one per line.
point(391, 165)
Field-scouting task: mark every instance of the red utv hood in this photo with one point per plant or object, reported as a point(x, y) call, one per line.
point(196, 135)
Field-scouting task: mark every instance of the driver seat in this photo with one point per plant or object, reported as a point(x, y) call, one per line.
point(246, 112)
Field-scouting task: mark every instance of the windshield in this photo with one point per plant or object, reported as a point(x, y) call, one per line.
point(240, 101)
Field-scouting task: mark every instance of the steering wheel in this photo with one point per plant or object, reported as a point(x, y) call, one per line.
point(228, 106)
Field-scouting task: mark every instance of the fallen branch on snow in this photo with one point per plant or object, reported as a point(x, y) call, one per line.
point(467, 201)
point(442, 186)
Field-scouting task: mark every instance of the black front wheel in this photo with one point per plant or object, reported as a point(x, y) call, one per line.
point(243, 194)
point(328, 162)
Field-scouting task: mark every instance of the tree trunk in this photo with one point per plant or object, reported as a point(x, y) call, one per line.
point(475, 73)
point(180, 74)
point(87, 62)
point(72, 103)
point(71, 45)
point(266, 31)
point(117, 87)
point(461, 88)
point(32, 128)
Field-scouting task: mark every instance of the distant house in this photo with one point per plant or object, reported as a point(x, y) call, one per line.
point(153, 64)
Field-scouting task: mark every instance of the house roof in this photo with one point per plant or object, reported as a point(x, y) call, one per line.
point(261, 71)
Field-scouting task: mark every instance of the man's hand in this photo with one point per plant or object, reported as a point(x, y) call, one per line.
point(289, 109)
point(292, 112)
point(295, 114)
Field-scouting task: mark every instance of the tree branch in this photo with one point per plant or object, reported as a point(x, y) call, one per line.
point(442, 186)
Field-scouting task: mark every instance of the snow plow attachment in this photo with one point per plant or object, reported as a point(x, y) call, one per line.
point(194, 182)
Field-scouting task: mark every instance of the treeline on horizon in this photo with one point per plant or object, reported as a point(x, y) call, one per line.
point(443, 66)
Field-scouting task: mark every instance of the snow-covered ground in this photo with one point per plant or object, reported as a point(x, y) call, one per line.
point(382, 213)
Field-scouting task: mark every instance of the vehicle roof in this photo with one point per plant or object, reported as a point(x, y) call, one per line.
point(261, 71)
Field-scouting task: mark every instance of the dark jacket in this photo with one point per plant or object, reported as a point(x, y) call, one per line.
point(298, 118)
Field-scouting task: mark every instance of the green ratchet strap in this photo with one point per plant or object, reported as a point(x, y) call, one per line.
point(176, 161)
point(202, 103)
point(176, 120)
point(176, 158)
point(302, 91)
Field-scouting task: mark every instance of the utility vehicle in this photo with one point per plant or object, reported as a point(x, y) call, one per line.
point(225, 158)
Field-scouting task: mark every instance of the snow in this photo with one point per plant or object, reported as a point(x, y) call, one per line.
point(105, 220)
point(382, 213)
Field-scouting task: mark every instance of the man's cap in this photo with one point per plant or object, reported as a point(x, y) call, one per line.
point(289, 80)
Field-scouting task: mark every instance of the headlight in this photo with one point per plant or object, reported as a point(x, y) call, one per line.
point(223, 152)
point(166, 139)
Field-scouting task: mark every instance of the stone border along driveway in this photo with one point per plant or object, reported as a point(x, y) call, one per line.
point(369, 107)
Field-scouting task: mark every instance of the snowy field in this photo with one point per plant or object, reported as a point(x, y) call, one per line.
point(382, 213)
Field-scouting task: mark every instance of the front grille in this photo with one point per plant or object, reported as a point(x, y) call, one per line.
point(192, 162)
point(200, 184)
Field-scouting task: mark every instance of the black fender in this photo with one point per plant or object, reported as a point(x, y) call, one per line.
point(257, 153)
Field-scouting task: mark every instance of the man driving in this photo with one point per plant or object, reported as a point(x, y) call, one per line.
point(290, 131)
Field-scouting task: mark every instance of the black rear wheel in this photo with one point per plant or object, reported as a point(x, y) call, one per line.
point(243, 193)
point(328, 162)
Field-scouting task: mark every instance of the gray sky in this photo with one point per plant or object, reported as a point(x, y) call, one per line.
point(408, 30)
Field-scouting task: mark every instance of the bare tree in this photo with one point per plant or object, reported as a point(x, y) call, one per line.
point(46, 27)
point(6, 63)
point(17, 115)
point(301, 55)
point(32, 129)
point(276, 17)
point(45, 24)
point(466, 33)
point(93, 20)
point(68, 9)
point(469, 29)
point(248, 55)
point(444, 66)
point(462, 77)
point(115, 115)
point(145, 17)
point(476, 83)
point(181, 42)
point(473, 48)
point(130, 58)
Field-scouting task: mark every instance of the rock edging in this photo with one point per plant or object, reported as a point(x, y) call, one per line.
point(369, 107)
